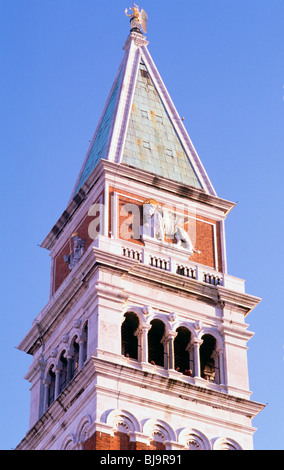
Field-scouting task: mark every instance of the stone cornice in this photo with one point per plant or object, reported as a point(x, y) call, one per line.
point(95, 257)
point(80, 388)
point(244, 301)
point(178, 388)
point(165, 184)
point(138, 39)
point(216, 294)
point(149, 274)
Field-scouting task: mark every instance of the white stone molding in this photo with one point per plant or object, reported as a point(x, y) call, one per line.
point(62, 351)
point(189, 326)
point(76, 441)
point(162, 317)
point(54, 353)
point(83, 430)
point(192, 439)
point(123, 421)
point(172, 317)
point(68, 443)
point(115, 148)
point(224, 443)
point(65, 339)
point(147, 310)
point(138, 39)
point(198, 325)
point(136, 310)
point(70, 347)
point(159, 431)
point(77, 323)
point(50, 365)
point(205, 330)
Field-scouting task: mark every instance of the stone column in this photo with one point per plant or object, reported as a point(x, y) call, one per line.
point(190, 349)
point(46, 385)
point(139, 334)
point(168, 341)
point(58, 371)
point(197, 343)
point(69, 357)
point(82, 344)
point(145, 330)
point(219, 360)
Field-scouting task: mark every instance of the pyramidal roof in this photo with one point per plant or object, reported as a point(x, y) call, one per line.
point(140, 126)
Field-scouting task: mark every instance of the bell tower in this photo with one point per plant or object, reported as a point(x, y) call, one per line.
point(143, 343)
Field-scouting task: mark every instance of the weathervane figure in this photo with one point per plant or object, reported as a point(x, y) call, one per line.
point(138, 19)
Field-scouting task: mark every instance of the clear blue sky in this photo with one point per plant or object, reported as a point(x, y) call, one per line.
point(222, 62)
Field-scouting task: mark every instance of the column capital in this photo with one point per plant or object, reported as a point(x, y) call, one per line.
point(146, 327)
point(169, 335)
point(197, 341)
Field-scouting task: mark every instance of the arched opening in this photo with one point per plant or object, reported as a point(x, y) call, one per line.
point(63, 373)
point(182, 352)
point(209, 363)
point(85, 344)
point(129, 338)
point(75, 358)
point(155, 346)
point(51, 386)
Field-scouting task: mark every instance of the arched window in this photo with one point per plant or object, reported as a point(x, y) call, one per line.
point(75, 358)
point(50, 380)
point(156, 348)
point(85, 343)
point(129, 338)
point(182, 351)
point(209, 360)
point(63, 371)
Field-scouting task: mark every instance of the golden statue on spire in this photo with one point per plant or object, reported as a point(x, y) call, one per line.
point(138, 19)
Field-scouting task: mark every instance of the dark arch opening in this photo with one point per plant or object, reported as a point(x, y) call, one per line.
point(155, 347)
point(85, 333)
point(63, 374)
point(51, 388)
point(75, 359)
point(182, 356)
point(129, 340)
point(207, 362)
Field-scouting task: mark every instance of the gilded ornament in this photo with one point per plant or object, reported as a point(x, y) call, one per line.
point(138, 19)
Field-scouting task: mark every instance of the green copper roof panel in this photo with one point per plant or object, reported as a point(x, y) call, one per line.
point(99, 146)
point(152, 143)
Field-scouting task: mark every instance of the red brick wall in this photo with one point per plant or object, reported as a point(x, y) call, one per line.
point(119, 441)
point(201, 230)
point(61, 269)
